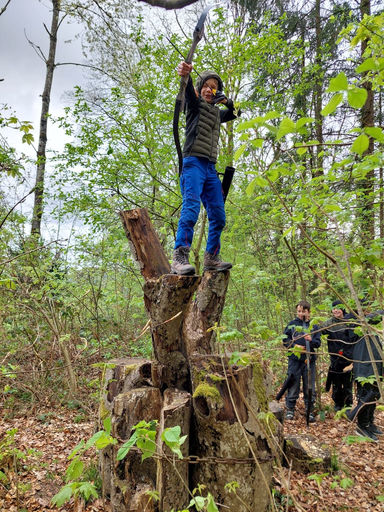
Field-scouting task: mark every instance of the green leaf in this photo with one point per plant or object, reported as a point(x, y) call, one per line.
point(287, 231)
point(124, 449)
point(171, 434)
point(357, 97)
point(380, 498)
point(273, 174)
point(360, 145)
point(262, 182)
point(62, 496)
point(301, 151)
point(93, 439)
point(244, 136)
point(340, 83)
point(304, 120)
point(332, 105)
point(251, 188)
point(87, 489)
point(211, 505)
point(75, 469)
point(376, 133)
point(245, 125)
point(371, 65)
point(239, 152)
point(286, 126)
point(345, 483)
point(257, 143)
point(107, 424)
point(76, 449)
point(332, 207)
point(271, 115)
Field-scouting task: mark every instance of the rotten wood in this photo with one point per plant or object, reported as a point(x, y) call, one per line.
point(145, 243)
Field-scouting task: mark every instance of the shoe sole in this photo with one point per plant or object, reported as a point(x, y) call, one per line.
point(360, 434)
point(214, 269)
point(190, 273)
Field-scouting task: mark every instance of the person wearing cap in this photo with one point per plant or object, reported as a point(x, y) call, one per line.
point(296, 334)
point(340, 349)
point(199, 180)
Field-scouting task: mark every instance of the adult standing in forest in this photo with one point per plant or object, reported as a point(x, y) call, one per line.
point(199, 180)
point(340, 349)
point(297, 332)
point(363, 368)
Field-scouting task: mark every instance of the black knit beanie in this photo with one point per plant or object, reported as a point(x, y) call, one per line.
point(338, 305)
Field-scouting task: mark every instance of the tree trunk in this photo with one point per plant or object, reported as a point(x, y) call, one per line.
point(225, 440)
point(46, 98)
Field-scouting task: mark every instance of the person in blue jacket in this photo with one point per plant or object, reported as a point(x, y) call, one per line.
point(297, 332)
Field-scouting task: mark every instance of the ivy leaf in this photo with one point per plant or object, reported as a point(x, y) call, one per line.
point(360, 145)
point(332, 105)
point(357, 97)
point(340, 83)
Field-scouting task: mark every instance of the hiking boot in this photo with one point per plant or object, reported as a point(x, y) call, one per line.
point(213, 262)
point(180, 264)
point(290, 414)
point(363, 431)
point(375, 430)
point(311, 418)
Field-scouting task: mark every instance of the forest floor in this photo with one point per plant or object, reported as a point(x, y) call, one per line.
point(47, 437)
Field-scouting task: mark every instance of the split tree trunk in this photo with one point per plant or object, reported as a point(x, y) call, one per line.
point(187, 386)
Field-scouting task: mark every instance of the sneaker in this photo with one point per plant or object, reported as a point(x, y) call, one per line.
point(365, 432)
point(311, 418)
point(213, 262)
point(289, 415)
point(180, 264)
point(375, 430)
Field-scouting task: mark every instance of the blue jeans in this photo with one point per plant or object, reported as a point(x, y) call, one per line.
point(199, 181)
point(299, 370)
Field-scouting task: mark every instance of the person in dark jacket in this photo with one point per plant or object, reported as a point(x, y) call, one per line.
point(199, 180)
point(340, 349)
point(363, 369)
point(297, 332)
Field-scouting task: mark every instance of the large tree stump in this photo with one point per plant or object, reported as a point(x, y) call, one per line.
point(226, 441)
point(203, 312)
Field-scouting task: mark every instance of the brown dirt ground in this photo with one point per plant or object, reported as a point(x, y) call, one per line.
point(54, 433)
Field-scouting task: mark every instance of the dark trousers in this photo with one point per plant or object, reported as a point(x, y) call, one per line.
point(299, 370)
point(366, 413)
point(342, 389)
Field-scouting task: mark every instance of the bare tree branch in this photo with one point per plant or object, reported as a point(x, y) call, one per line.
point(3, 9)
point(169, 4)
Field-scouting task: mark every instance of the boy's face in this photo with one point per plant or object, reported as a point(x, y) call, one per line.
point(302, 313)
point(338, 313)
point(206, 90)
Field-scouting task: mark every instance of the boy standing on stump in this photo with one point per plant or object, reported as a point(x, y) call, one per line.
point(296, 334)
point(199, 180)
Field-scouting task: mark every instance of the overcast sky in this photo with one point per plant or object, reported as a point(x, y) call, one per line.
point(24, 73)
point(22, 69)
